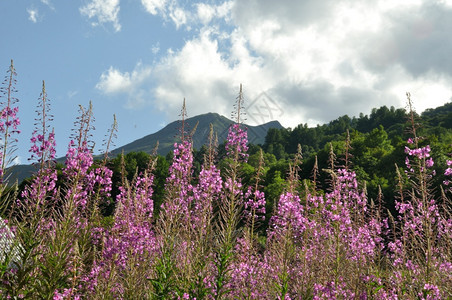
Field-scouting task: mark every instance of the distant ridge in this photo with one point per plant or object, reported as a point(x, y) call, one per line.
point(170, 134)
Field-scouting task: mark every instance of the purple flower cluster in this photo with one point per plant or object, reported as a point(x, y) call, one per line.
point(289, 216)
point(422, 227)
point(131, 240)
point(254, 204)
point(248, 273)
point(448, 172)
point(99, 181)
point(178, 181)
point(205, 194)
point(42, 138)
point(128, 239)
point(430, 292)
point(202, 242)
point(332, 290)
point(66, 294)
point(40, 191)
point(420, 153)
point(423, 155)
point(236, 143)
point(42, 148)
point(332, 232)
point(78, 159)
point(9, 119)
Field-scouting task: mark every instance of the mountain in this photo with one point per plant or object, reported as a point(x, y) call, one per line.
point(170, 134)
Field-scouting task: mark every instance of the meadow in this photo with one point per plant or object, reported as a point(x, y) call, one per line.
point(205, 240)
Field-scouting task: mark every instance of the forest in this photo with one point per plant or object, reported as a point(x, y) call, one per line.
point(373, 152)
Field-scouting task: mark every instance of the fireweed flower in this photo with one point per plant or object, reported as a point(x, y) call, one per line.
point(248, 272)
point(42, 148)
point(78, 160)
point(422, 229)
point(345, 209)
point(42, 187)
point(332, 290)
point(9, 121)
point(236, 143)
point(205, 193)
point(254, 204)
point(420, 153)
point(130, 241)
point(236, 147)
point(46, 178)
point(233, 190)
point(328, 232)
point(348, 188)
point(448, 172)
point(42, 138)
point(66, 294)
point(178, 182)
point(290, 214)
point(99, 180)
point(132, 222)
point(431, 291)
point(39, 196)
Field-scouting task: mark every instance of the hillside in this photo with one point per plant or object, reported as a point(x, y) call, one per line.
point(170, 134)
point(283, 142)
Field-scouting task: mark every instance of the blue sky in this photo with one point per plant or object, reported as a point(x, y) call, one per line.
point(304, 61)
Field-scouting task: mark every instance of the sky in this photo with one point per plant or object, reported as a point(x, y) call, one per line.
point(305, 61)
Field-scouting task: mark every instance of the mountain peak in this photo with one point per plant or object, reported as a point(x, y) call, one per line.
point(168, 135)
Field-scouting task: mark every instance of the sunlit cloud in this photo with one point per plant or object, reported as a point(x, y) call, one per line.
point(316, 60)
point(102, 11)
point(33, 14)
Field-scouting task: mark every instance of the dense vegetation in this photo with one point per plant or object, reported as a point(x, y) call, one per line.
point(236, 221)
point(375, 143)
point(373, 152)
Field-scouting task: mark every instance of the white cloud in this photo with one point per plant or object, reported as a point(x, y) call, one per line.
point(205, 12)
point(426, 92)
point(33, 14)
point(447, 3)
point(71, 94)
point(186, 14)
point(104, 11)
point(224, 10)
point(315, 59)
point(154, 6)
point(48, 3)
point(351, 46)
point(178, 16)
point(197, 73)
point(169, 10)
point(114, 82)
point(155, 48)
